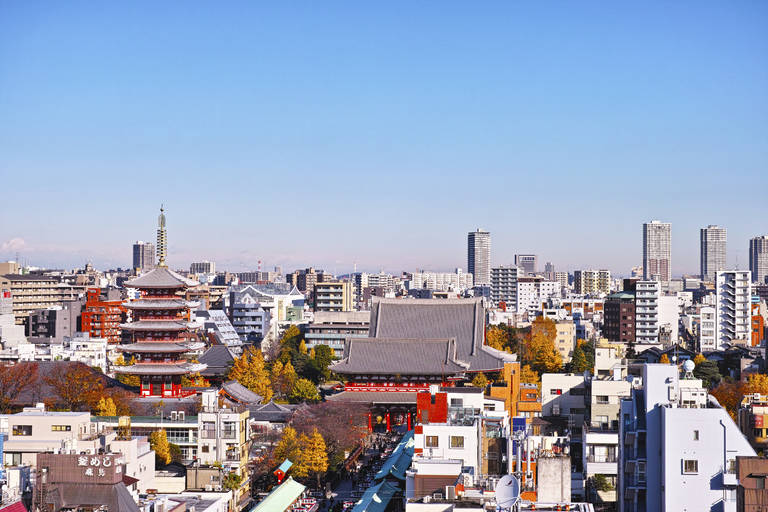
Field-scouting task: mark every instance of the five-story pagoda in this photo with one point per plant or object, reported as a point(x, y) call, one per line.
point(160, 328)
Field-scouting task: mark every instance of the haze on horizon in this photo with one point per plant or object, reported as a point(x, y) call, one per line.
point(339, 133)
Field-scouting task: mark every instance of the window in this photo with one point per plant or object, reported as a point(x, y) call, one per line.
point(205, 448)
point(457, 441)
point(432, 442)
point(61, 428)
point(690, 466)
point(757, 432)
point(695, 435)
point(602, 399)
point(22, 430)
point(457, 402)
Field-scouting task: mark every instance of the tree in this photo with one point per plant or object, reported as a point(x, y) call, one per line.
point(175, 451)
point(304, 391)
point(528, 376)
point(77, 387)
point(699, 359)
point(480, 381)
point(128, 380)
point(232, 481)
point(708, 372)
point(540, 352)
point(158, 441)
point(729, 394)
point(496, 337)
point(579, 362)
point(663, 359)
point(289, 448)
point(250, 370)
point(14, 379)
point(106, 407)
point(303, 347)
point(756, 383)
point(320, 359)
point(315, 456)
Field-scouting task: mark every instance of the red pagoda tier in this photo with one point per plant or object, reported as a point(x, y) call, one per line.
point(160, 333)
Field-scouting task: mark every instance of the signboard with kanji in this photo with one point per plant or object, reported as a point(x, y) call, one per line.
point(82, 468)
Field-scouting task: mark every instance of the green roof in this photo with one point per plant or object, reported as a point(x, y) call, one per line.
point(281, 498)
point(621, 295)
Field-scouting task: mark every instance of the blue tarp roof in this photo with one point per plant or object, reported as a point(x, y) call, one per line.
point(376, 498)
point(400, 460)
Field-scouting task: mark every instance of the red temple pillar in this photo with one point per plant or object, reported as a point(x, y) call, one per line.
point(370, 422)
point(389, 425)
point(409, 420)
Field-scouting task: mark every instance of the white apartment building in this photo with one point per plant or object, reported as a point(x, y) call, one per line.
point(592, 282)
point(565, 339)
point(564, 394)
point(441, 281)
point(679, 446)
point(35, 430)
point(223, 433)
point(533, 291)
point(733, 291)
point(647, 298)
point(87, 350)
point(707, 329)
point(504, 285)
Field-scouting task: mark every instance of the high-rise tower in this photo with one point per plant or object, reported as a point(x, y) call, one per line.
point(479, 256)
point(758, 259)
point(143, 255)
point(657, 249)
point(712, 251)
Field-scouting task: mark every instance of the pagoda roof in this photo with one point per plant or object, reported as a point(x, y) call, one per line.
point(146, 303)
point(375, 397)
point(160, 368)
point(460, 319)
point(177, 348)
point(156, 325)
point(161, 277)
point(377, 356)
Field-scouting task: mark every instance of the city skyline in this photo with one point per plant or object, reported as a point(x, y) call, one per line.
point(288, 112)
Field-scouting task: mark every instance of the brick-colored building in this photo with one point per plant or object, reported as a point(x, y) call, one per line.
point(102, 318)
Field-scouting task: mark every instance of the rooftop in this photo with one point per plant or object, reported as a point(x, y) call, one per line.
point(400, 356)
point(160, 277)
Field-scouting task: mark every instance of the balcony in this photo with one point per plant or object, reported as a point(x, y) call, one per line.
point(207, 434)
point(229, 434)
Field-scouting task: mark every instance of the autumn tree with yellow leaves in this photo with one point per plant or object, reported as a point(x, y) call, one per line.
point(250, 370)
point(539, 347)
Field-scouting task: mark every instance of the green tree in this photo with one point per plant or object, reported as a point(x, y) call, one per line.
point(304, 391)
point(583, 357)
point(480, 381)
point(316, 368)
point(708, 372)
point(250, 370)
point(315, 455)
point(232, 481)
point(106, 407)
point(158, 441)
point(175, 453)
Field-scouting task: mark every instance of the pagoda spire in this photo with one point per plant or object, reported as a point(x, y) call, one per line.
point(162, 240)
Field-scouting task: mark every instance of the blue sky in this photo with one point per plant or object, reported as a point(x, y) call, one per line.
point(333, 133)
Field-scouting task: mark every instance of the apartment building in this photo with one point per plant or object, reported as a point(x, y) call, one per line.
point(332, 328)
point(202, 267)
point(679, 446)
point(712, 253)
point(733, 291)
point(441, 281)
point(35, 291)
point(565, 339)
point(647, 298)
point(479, 256)
point(758, 259)
point(333, 296)
point(533, 291)
point(707, 329)
point(657, 250)
point(592, 282)
point(504, 285)
point(619, 317)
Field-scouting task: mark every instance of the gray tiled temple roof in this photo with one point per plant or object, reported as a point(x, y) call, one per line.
point(161, 277)
point(240, 393)
point(154, 347)
point(374, 397)
point(400, 356)
point(461, 319)
point(156, 325)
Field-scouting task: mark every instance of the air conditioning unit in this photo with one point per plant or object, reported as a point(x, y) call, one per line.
point(208, 488)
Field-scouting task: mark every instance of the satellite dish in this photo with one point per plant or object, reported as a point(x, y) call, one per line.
point(507, 491)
